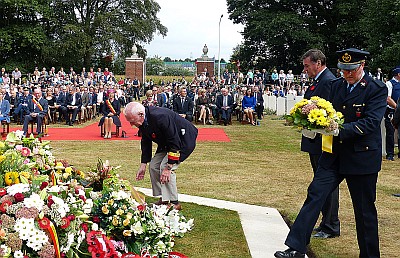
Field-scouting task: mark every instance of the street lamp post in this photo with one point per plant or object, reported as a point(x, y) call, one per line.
point(219, 48)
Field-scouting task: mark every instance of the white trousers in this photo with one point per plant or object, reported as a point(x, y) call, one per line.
point(167, 191)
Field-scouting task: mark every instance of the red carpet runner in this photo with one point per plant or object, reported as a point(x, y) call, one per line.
point(92, 133)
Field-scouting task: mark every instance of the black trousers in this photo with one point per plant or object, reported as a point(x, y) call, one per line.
point(363, 195)
point(330, 222)
point(389, 132)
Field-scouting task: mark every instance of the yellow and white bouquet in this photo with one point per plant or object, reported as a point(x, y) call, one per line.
point(317, 115)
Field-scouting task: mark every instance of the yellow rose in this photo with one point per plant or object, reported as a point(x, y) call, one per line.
point(119, 212)
point(115, 221)
point(127, 233)
point(110, 202)
point(25, 174)
point(129, 215)
point(126, 222)
point(2, 158)
point(105, 210)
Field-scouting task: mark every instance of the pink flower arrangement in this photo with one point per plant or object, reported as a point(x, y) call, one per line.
point(25, 151)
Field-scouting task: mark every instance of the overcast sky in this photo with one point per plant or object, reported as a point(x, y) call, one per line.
point(191, 24)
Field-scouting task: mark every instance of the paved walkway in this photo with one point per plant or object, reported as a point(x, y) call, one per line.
point(264, 228)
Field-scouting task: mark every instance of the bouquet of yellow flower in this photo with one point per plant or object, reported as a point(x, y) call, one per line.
point(317, 115)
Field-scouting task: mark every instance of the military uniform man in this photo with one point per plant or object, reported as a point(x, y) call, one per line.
point(356, 157)
point(176, 140)
point(22, 108)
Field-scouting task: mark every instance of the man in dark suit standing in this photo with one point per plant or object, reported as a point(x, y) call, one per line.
point(74, 104)
point(356, 157)
point(260, 102)
point(314, 62)
point(183, 105)
point(225, 105)
point(38, 108)
point(176, 140)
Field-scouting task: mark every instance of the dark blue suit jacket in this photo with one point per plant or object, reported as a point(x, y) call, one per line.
point(187, 107)
point(170, 131)
point(321, 88)
point(34, 109)
point(358, 149)
point(220, 100)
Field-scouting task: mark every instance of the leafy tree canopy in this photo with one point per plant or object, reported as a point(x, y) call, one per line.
point(75, 32)
point(278, 32)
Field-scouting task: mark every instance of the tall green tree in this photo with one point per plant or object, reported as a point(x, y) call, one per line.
point(22, 32)
point(381, 25)
point(281, 31)
point(88, 30)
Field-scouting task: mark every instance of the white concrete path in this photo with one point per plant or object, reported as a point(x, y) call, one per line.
point(264, 228)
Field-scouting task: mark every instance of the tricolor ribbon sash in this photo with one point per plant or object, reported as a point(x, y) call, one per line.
point(110, 106)
point(54, 238)
point(37, 104)
point(327, 142)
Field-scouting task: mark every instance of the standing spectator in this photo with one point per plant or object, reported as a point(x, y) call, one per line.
point(282, 78)
point(176, 140)
point(260, 102)
point(183, 105)
point(314, 62)
point(379, 74)
point(356, 157)
point(393, 86)
point(275, 77)
point(16, 77)
point(136, 88)
point(289, 78)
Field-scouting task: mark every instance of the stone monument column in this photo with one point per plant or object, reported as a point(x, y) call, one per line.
point(134, 66)
point(205, 62)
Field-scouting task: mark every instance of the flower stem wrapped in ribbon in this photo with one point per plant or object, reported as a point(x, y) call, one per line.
point(316, 115)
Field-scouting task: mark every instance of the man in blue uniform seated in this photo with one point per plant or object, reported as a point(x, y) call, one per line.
point(38, 108)
point(22, 107)
point(356, 157)
point(176, 140)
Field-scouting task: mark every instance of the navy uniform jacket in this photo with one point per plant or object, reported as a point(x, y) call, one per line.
point(358, 149)
point(171, 132)
point(321, 88)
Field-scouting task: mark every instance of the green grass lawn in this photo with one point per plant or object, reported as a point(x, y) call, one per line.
point(262, 165)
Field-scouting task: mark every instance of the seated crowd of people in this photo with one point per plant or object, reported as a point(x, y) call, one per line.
point(67, 97)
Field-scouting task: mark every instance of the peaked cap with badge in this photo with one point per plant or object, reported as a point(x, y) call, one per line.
point(351, 58)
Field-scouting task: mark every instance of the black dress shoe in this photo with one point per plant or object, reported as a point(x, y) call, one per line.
point(323, 235)
point(317, 229)
point(289, 253)
point(396, 195)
